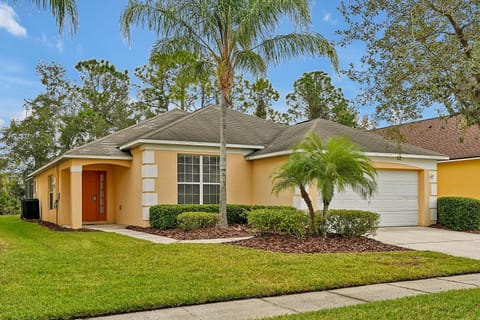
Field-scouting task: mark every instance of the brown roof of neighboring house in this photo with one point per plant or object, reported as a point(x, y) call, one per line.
point(446, 135)
point(326, 129)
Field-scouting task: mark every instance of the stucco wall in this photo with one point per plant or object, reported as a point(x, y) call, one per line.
point(262, 171)
point(459, 178)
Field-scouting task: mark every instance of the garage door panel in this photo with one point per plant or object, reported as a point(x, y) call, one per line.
point(396, 199)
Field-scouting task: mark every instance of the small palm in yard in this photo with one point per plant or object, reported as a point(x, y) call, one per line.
point(332, 167)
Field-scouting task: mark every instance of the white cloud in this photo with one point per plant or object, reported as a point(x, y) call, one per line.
point(59, 45)
point(327, 17)
point(8, 21)
point(2, 123)
point(50, 42)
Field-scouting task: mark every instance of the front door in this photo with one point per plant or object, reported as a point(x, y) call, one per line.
point(94, 195)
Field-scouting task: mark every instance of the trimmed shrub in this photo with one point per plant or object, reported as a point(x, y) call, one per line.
point(279, 220)
point(458, 213)
point(353, 223)
point(197, 220)
point(165, 216)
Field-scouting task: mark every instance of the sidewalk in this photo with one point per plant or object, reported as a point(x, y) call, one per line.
point(304, 302)
point(120, 229)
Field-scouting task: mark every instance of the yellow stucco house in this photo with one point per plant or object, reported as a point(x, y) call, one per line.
point(459, 175)
point(173, 158)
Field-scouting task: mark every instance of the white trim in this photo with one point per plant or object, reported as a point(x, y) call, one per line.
point(187, 143)
point(269, 155)
point(457, 160)
point(370, 154)
point(76, 169)
point(58, 159)
point(195, 149)
point(406, 156)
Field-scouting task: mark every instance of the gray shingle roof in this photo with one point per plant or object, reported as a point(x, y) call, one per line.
point(108, 146)
point(325, 129)
point(204, 126)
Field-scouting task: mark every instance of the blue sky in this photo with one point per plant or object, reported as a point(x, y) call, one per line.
point(29, 36)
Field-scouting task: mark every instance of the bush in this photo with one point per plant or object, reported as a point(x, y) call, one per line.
point(197, 220)
point(165, 216)
point(457, 213)
point(279, 220)
point(353, 223)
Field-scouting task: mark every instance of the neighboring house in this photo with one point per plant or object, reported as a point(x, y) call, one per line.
point(173, 158)
point(458, 176)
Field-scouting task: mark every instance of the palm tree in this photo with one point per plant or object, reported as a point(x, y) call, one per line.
point(332, 167)
point(295, 173)
point(61, 10)
point(230, 34)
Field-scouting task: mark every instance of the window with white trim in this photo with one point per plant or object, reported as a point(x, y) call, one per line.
point(198, 179)
point(51, 192)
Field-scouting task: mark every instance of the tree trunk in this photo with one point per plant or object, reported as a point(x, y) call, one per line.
point(223, 162)
point(311, 211)
point(323, 223)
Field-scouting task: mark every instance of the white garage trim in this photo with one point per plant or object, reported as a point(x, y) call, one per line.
point(396, 199)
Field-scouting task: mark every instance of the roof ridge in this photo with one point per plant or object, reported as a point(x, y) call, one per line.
point(205, 109)
point(188, 116)
point(122, 130)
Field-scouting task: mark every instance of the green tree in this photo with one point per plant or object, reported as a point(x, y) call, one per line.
point(332, 167)
point(32, 142)
point(254, 97)
point(419, 54)
point(101, 103)
point(67, 114)
point(314, 96)
point(233, 35)
point(182, 81)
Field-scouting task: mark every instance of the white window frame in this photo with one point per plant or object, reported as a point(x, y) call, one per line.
point(201, 182)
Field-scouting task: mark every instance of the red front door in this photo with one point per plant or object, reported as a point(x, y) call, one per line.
point(94, 197)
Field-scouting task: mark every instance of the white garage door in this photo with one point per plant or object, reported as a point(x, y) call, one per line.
point(396, 199)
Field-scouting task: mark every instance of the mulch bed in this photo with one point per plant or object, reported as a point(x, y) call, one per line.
point(233, 231)
point(277, 243)
point(332, 244)
point(56, 227)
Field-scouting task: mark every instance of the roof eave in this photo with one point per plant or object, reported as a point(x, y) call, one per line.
point(139, 142)
point(370, 154)
point(66, 156)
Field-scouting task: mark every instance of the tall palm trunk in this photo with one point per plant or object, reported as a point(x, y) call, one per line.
point(223, 161)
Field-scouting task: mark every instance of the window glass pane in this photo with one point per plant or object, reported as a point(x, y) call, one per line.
point(188, 194)
point(211, 194)
point(211, 169)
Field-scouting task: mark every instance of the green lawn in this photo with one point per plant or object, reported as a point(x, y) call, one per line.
point(464, 304)
point(46, 274)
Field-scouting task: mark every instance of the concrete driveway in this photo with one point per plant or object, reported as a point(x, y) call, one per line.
point(460, 244)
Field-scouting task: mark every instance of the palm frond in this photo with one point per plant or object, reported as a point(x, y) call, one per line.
point(251, 62)
point(291, 45)
point(62, 10)
point(258, 19)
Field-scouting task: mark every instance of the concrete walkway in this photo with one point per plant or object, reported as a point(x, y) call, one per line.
point(304, 302)
point(460, 244)
point(121, 229)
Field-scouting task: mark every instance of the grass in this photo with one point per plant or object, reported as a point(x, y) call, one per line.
point(463, 304)
point(46, 274)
